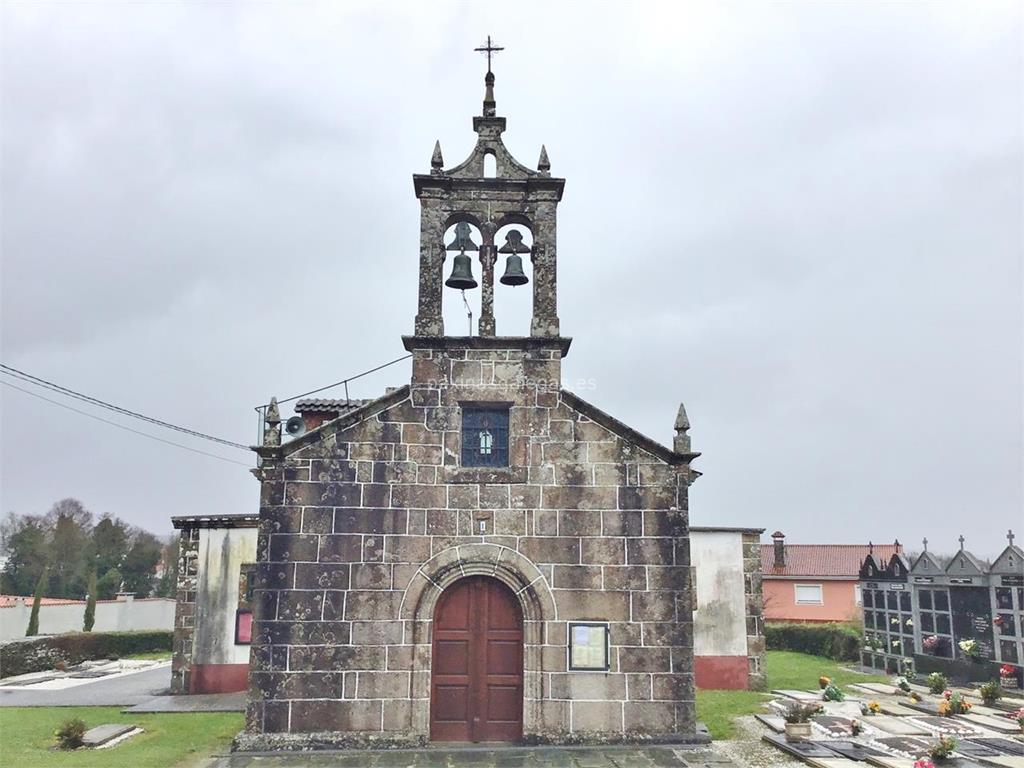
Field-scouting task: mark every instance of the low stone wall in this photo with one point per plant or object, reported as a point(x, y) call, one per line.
point(38, 654)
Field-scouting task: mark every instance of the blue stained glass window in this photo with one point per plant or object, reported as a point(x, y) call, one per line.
point(484, 436)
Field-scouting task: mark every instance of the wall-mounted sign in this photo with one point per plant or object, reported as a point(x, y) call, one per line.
point(588, 646)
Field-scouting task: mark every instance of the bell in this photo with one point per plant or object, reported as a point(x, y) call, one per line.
point(514, 274)
point(462, 273)
point(462, 241)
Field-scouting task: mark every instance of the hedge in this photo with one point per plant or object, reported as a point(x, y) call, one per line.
point(38, 654)
point(841, 642)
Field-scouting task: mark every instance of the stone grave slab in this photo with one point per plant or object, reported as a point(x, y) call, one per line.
point(772, 722)
point(895, 726)
point(832, 762)
point(999, 724)
point(848, 708)
point(883, 688)
point(947, 726)
point(981, 709)
point(803, 750)
point(891, 762)
point(899, 710)
point(1005, 746)
point(905, 746)
point(851, 749)
point(101, 734)
point(801, 696)
point(967, 748)
point(1004, 761)
point(832, 725)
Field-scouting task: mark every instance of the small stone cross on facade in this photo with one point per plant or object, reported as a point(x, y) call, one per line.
point(962, 540)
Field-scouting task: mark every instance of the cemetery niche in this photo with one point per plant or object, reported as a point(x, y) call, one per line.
point(964, 619)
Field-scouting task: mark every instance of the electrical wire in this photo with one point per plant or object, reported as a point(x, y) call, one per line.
point(35, 380)
point(338, 383)
point(122, 426)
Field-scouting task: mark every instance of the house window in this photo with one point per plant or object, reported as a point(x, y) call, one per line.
point(857, 595)
point(809, 594)
point(588, 646)
point(485, 436)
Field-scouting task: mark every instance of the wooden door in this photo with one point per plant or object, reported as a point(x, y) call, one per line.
point(476, 689)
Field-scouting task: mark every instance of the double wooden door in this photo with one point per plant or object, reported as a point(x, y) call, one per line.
point(476, 689)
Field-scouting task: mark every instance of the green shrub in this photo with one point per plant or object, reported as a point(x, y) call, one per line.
point(43, 653)
point(70, 733)
point(991, 692)
point(841, 642)
point(937, 682)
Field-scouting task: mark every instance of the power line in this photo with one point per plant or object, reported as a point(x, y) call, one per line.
point(35, 380)
point(338, 383)
point(122, 426)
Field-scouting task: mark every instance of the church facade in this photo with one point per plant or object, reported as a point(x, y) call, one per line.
point(479, 555)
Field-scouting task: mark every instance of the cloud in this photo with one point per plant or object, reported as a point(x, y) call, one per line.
point(803, 220)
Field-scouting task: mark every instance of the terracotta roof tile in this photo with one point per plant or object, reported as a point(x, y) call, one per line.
point(832, 560)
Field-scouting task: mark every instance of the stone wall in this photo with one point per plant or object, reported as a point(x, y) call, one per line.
point(185, 609)
point(365, 521)
point(757, 679)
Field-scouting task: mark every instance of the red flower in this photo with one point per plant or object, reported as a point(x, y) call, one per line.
point(1007, 670)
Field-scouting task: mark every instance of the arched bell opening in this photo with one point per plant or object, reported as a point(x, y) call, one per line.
point(490, 165)
point(513, 273)
point(460, 296)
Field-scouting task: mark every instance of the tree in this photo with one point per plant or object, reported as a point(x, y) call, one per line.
point(33, 618)
point(90, 603)
point(68, 555)
point(27, 552)
point(109, 543)
point(168, 585)
point(139, 564)
point(109, 585)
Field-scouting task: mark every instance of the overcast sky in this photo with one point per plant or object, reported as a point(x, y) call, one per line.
point(803, 220)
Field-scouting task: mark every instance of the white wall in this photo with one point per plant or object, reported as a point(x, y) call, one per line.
point(111, 616)
point(720, 615)
point(221, 554)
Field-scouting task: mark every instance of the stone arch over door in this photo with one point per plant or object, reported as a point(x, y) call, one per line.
point(532, 592)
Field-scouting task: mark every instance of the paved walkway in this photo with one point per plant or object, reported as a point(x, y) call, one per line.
point(112, 691)
point(484, 757)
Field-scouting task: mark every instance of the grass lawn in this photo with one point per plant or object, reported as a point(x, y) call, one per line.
point(178, 740)
point(150, 655)
point(785, 669)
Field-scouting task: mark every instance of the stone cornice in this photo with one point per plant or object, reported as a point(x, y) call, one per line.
point(561, 343)
point(626, 432)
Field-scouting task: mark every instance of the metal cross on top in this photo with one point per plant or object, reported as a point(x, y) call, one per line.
point(489, 49)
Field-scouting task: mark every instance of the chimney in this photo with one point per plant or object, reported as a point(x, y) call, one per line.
point(779, 539)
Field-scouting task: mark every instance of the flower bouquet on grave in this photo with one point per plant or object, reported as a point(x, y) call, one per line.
point(798, 720)
point(902, 684)
point(871, 708)
point(936, 682)
point(970, 650)
point(909, 671)
point(1019, 714)
point(823, 682)
point(933, 644)
point(953, 704)
point(990, 692)
point(856, 727)
point(923, 762)
point(943, 748)
point(1008, 676)
point(832, 693)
